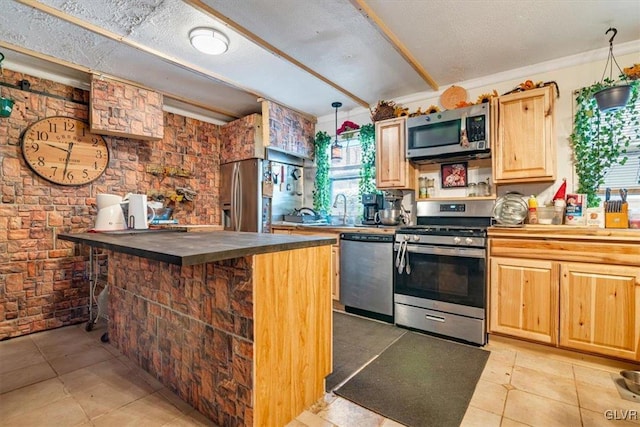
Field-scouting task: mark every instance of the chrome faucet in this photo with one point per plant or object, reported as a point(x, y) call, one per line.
point(335, 205)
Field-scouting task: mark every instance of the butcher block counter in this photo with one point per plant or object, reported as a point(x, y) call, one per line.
point(571, 287)
point(237, 324)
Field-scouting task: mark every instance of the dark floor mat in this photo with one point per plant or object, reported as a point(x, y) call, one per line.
point(356, 341)
point(419, 381)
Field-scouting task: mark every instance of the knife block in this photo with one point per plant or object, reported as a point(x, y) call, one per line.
point(617, 219)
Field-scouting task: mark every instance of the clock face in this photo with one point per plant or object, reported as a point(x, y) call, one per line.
point(63, 150)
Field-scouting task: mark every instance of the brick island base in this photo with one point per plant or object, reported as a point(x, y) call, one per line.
point(246, 341)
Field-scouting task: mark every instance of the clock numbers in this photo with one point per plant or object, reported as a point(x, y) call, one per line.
point(65, 144)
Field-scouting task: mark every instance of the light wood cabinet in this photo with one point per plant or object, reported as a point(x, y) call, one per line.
point(393, 171)
point(335, 255)
point(601, 309)
point(524, 146)
point(576, 289)
point(524, 298)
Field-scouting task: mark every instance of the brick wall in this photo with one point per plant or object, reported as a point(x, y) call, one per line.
point(242, 139)
point(189, 326)
point(120, 109)
point(291, 131)
point(42, 279)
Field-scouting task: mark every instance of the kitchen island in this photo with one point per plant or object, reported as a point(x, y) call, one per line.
point(237, 324)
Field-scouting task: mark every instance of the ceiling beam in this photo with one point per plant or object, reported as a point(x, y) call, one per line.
point(88, 70)
point(198, 4)
point(368, 13)
point(122, 39)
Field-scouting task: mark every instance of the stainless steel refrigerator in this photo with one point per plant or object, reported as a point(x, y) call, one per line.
point(243, 206)
point(250, 205)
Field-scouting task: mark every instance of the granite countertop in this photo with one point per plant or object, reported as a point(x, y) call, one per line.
point(181, 248)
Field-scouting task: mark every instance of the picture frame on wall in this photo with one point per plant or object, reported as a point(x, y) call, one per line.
point(454, 175)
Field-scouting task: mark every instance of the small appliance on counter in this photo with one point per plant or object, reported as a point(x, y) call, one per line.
point(110, 216)
point(138, 212)
point(372, 204)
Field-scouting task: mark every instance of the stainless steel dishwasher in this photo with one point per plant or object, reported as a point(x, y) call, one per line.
point(366, 274)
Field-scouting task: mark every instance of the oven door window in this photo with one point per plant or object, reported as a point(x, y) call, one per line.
point(448, 278)
point(435, 135)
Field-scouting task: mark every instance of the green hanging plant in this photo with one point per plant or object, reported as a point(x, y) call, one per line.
point(367, 182)
point(598, 140)
point(322, 192)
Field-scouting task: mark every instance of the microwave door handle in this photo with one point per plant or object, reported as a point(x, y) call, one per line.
point(464, 140)
point(447, 251)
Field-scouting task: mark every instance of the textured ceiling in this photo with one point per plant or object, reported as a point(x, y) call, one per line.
point(303, 54)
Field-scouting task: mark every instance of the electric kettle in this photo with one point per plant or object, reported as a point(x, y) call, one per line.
point(138, 216)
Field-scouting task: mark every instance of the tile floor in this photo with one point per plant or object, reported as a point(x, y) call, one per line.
point(67, 377)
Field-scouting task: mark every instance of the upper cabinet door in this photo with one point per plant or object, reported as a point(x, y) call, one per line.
point(393, 171)
point(524, 146)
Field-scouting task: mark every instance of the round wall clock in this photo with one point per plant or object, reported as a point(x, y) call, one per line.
point(63, 150)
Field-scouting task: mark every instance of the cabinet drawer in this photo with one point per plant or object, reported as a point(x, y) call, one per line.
point(562, 250)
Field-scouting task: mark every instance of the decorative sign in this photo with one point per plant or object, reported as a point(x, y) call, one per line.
point(454, 175)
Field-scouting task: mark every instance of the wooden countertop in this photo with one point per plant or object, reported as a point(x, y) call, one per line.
point(334, 228)
point(630, 235)
point(181, 248)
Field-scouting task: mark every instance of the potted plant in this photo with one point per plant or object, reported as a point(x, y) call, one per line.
point(610, 95)
point(321, 194)
point(598, 139)
point(367, 182)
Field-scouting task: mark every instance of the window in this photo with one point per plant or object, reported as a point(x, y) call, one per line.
point(627, 175)
point(344, 176)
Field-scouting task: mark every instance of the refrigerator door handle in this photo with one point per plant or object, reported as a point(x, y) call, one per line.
point(234, 198)
point(239, 185)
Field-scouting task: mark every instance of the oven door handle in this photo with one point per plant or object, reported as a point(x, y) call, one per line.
point(448, 251)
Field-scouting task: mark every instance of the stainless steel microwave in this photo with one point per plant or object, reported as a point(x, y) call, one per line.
point(451, 134)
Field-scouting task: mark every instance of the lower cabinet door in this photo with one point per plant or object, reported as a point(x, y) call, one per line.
point(600, 309)
point(524, 298)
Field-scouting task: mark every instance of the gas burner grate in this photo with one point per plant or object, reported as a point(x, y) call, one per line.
point(443, 230)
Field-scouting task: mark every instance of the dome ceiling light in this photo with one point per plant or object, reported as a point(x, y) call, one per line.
point(209, 41)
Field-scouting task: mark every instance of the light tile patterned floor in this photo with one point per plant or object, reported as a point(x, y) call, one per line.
point(67, 377)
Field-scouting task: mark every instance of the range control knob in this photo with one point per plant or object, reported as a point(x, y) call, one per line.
point(416, 238)
point(468, 240)
point(457, 240)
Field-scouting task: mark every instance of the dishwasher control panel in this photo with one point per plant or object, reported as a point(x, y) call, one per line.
point(367, 237)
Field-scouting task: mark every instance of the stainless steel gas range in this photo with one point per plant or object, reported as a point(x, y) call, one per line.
point(441, 268)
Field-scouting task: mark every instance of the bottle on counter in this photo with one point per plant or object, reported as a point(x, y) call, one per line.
point(423, 187)
point(431, 187)
point(558, 214)
point(533, 210)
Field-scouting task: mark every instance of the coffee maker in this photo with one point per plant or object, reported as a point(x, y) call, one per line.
point(372, 204)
